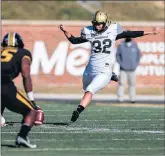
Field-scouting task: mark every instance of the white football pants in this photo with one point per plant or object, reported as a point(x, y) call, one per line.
point(94, 83)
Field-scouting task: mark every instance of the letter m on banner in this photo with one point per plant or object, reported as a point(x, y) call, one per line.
point(42, 62)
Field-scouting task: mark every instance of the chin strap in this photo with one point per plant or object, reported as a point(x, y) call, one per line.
point(103, 30)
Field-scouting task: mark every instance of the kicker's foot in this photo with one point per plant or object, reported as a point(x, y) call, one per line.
point(114, 77)
point(75, 116)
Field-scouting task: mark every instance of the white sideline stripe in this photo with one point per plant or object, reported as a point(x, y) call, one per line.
point(79, 23)
point(126, 120)
point(136, 139)
point(93, 131)
point(102, 97)
point(83, 149)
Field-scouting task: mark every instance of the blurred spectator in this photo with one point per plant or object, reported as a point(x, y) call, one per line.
point(128, 57)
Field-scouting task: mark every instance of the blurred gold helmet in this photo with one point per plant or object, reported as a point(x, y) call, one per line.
point(101, 17)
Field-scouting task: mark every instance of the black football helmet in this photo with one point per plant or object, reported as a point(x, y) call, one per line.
point(12, 39)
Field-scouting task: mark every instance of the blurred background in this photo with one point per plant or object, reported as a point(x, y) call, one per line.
point(58, 65)
point(83, 10)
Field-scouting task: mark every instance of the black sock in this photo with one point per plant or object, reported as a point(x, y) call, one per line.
point(80, 108)
point(24, 131)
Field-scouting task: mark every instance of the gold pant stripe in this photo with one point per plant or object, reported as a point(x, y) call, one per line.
point(11, 39)
point(24, 95)
point(20, 98)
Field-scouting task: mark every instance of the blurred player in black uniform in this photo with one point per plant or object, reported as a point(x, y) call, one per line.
point(14, 60)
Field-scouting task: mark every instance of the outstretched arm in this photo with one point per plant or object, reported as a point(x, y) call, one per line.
point(134, 34)
point(71, 38)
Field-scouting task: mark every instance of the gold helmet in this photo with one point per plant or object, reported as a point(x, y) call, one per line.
point(101, 17)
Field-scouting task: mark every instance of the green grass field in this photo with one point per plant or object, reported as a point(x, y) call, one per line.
point(100, 131)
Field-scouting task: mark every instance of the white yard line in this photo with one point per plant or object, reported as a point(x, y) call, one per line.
point(127, 120)
point(73, 129)
point(123, 120)
point(95, 140)
point(83, 149)
point(96, 130)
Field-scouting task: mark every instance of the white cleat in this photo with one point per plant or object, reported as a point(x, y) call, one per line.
point(24, 142)
point(2, 122)
point(3, 125)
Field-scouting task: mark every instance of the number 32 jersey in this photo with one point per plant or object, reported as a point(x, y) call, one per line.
point(102, 55)
point(11, 59)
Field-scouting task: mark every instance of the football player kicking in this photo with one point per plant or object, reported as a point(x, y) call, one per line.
point(14, 60)
point(102, 35)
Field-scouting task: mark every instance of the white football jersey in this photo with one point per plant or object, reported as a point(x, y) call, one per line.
point(102, 55)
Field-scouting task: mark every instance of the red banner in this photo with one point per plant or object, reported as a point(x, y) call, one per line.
point(57, 62)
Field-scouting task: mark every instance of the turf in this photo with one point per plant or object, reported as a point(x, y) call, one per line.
point(100, 131)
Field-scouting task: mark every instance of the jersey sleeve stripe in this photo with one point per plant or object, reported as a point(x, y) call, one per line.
point(27, 58)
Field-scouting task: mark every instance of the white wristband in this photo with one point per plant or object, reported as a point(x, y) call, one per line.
point(30, 96)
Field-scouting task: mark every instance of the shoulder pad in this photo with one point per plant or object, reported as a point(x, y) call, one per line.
point(86, 32)
point(117, 27)
point(27, 53)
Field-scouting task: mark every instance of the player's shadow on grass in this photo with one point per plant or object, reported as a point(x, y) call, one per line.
point(60, 123)
point(12, 123)
point(7, 145)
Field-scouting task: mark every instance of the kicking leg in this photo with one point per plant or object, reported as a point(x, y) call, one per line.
point(98, 82)
point(85, 101)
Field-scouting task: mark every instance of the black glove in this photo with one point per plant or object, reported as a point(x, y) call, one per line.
point(35, 105)
point(61, 27)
